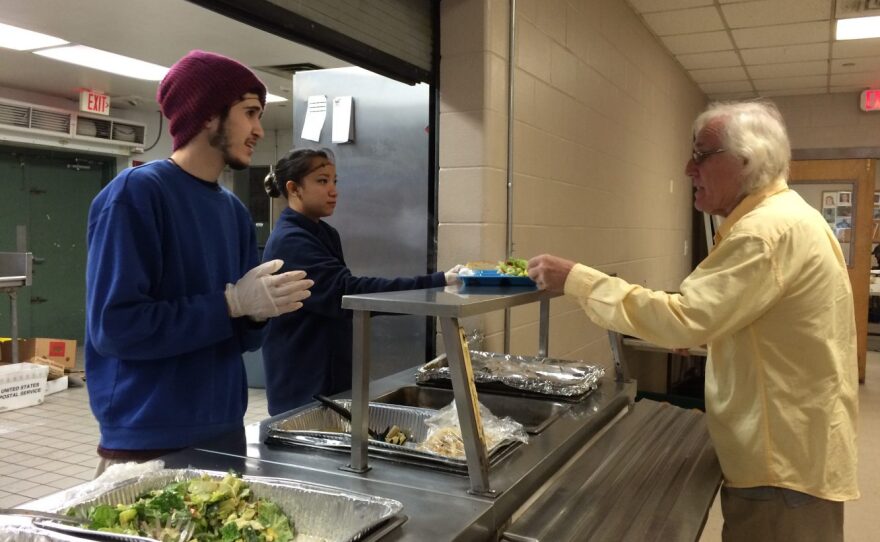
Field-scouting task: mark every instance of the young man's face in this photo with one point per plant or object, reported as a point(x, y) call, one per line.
point(718, 177)
point(238, 133)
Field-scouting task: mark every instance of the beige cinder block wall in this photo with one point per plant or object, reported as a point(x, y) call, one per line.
point(828, 121)
point(601, 131)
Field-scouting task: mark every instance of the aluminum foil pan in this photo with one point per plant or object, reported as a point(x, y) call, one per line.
point(531, 374)
point(319, 513)
point(320, 427)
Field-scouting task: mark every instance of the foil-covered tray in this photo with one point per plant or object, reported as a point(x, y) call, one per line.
point(318, 513)
point(529, 376)
point(320, 427)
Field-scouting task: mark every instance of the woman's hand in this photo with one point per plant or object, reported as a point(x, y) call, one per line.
point(452, 275)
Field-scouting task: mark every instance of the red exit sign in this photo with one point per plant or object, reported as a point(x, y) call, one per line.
point(94, 102)
point(870, 100)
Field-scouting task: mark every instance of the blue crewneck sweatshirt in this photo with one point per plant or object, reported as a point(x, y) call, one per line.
point(163, 361)
point(309, 351)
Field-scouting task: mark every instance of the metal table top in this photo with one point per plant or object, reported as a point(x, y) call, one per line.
point(13, 281)
point(449, 302)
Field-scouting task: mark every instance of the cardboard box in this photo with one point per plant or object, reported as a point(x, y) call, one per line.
point(54, 386)
point(22, 385)
point(60, 351)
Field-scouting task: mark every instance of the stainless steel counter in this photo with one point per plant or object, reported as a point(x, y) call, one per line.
point(606, 466)
point(437, 503)
point(631, 469)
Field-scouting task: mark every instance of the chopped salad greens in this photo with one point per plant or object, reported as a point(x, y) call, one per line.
point(513, 266)
point(221, 510)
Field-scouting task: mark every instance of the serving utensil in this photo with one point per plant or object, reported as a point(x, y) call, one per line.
point(40, 514)
point(392, 434)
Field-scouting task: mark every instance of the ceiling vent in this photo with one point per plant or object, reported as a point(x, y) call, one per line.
point(286, 70)
point(40, 126)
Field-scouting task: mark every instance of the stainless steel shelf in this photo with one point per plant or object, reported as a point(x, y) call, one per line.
point(448, 305)
point(449, 302)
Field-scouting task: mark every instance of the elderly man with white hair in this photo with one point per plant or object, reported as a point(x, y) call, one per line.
point(772, 302)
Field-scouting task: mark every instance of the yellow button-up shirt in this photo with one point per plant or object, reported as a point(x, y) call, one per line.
point(773, 303)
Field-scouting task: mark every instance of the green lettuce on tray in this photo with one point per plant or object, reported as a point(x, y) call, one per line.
point(221, 510)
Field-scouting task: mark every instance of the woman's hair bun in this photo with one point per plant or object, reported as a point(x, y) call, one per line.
point(270, 186)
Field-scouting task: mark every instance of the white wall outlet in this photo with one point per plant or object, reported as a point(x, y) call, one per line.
point(685, 248)
point(671, 186)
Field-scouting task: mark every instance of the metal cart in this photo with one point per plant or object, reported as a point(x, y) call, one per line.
point(15, 272)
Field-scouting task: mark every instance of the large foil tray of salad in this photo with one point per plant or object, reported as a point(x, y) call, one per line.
point(313, 512)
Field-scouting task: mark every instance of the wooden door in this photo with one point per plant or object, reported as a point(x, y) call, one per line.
point(835, 178)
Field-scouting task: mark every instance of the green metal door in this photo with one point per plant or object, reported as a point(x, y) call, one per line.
point(50, 193)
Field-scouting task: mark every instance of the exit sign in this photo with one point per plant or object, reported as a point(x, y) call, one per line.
point(870, 100)
point(94, 102)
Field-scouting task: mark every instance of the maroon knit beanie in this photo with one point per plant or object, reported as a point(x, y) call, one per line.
point(199, 86)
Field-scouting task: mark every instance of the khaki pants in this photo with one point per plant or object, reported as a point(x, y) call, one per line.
point(772, 514)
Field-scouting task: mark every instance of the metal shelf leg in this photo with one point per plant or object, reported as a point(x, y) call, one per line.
point(466, 404)
point(360, 390)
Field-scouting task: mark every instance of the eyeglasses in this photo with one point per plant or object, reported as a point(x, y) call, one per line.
point(699, 156)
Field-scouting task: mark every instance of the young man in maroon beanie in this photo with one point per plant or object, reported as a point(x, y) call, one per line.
point(174, 294)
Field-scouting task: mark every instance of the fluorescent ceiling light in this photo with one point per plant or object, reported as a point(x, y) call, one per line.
point(272, 98)
point(858, 28)
point(105, 61)
point(12, 37)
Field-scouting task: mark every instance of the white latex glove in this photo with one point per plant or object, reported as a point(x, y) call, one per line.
point(452, 275)
point(261, 295)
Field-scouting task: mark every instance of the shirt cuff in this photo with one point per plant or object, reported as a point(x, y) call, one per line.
point(581, 279)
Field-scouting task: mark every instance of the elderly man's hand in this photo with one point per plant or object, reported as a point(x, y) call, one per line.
point(549, 272)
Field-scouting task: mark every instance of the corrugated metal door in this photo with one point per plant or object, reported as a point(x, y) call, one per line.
point(49, 194)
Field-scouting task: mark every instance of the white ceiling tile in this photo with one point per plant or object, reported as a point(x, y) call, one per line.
point(864, 64)
point(790, 69)
point(726, 86)
point(783, 45)
point(698, 43)
point(855, 48)
point(865, 80)
point(714, 75)
point(787, 34)
point(795, 91)
point(771, 12)
point(790, 82)
point(848, 88)
point(720, 59)
point(789, 53)
point(648, 6)
point(683, 21)
point(732, 96)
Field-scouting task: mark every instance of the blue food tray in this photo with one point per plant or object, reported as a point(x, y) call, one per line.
point(494, 278)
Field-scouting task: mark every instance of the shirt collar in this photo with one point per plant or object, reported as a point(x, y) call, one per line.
point(747, 204)
point(301, 220)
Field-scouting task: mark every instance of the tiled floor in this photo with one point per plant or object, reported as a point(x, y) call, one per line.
point(49, 447)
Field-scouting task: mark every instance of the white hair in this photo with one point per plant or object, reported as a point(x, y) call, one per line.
point(755, 132)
